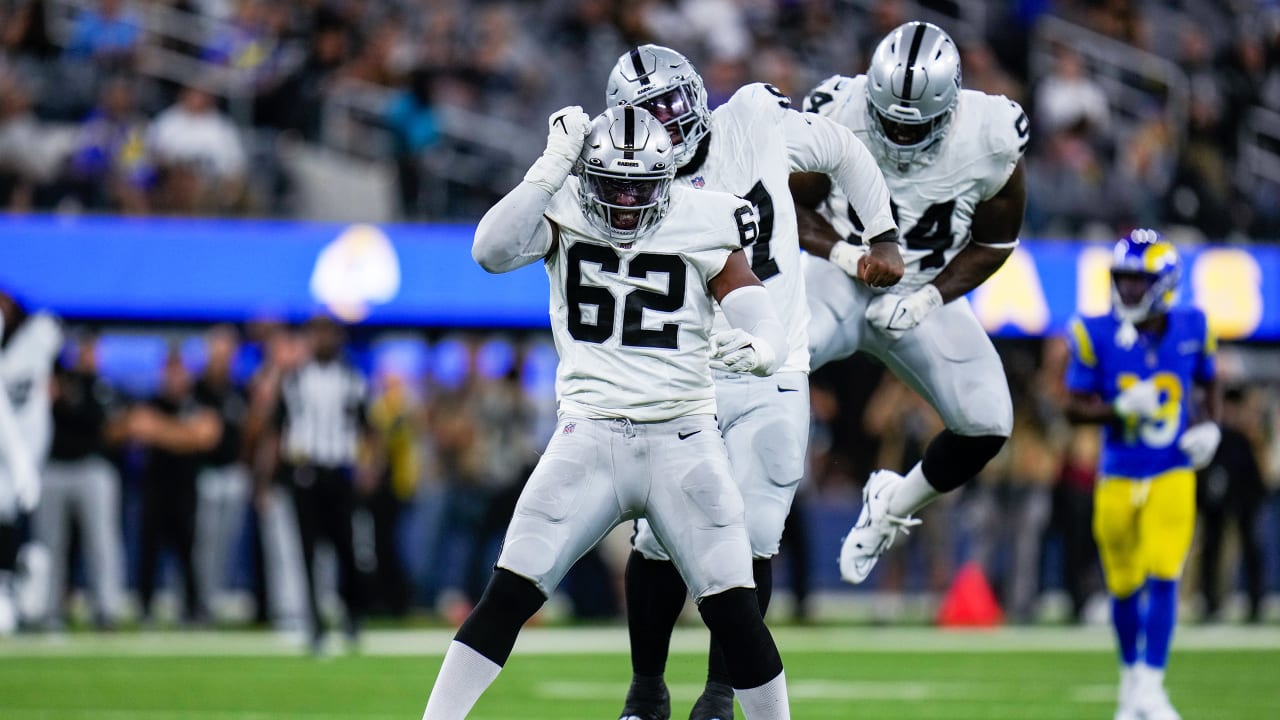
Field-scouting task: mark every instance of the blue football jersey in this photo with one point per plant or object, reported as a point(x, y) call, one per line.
point(1174, 362)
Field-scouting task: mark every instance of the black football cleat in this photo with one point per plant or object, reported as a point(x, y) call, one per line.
point(715, 703)
point(647, 699)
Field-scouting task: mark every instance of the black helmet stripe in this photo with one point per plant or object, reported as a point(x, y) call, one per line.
point(629, 132)
point(907, 78)
point(638, 65)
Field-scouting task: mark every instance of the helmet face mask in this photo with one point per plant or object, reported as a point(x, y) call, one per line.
point(1145, 271)
point(666, 84)
point(913, 86)
point(625, 173)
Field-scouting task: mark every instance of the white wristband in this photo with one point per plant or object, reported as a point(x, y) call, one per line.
point(846, 256)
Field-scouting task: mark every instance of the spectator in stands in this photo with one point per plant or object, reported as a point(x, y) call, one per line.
point(396, 417)
point(1033, 458)
point(109, 167)
point(1200, 193)
point(1122, 20)
point(23, 35)
point(247, 41)
point(280, 580)
point(1142, 172)
point(1073, 519)
point(177, 432)
point(1231, 488)
point(223, 484)
point(31, 154)
point(20, 132)
point(1067, 184)
point(455, 436)
point(983, 72)
point(715, 29)
point(1068, 98)
point(199, 154)
point(293, 102)
point(413, 123)
point(82, 489)
point(108, 35)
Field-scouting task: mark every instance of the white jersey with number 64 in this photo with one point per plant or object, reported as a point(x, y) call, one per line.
point(933, 202)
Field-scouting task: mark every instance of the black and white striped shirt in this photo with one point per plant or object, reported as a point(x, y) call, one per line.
point(322, 414)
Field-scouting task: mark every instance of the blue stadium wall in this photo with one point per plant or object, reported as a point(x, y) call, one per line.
point(182, 270)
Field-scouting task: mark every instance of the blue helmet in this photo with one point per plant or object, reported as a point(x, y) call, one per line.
point(1145, 271)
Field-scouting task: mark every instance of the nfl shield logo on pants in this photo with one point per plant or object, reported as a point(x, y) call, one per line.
point(568, 428)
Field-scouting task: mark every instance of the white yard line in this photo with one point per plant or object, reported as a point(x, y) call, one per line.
point(688, 639)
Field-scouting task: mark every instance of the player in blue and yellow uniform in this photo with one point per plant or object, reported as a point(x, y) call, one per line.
point(1145, 372)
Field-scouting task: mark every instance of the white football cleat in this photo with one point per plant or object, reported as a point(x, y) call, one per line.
point(875, 530)
point(1150, 699)
point(1125, 709)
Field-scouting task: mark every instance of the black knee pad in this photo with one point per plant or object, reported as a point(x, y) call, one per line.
point(733, 617)
point(951, 460)
point(507, 604)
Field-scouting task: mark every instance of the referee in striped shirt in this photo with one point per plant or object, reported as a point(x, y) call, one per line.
point(322, 421)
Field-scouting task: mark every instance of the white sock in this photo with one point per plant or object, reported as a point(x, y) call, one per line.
point(912, 493)
point(767, 702)
point(463, 678)
point(1149, 676)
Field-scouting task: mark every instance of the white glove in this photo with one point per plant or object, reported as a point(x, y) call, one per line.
point(739, 351)
point(846, 256)
point(1140, 400)
point(894, 315)
point(566, 129)
point(1200, 443)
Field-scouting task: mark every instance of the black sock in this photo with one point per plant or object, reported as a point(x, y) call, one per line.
point(655, 597)
point(8, 546)
point(507, 604)
point(733, 617)
point(717, 668)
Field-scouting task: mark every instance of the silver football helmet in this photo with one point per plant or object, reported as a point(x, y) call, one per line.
point(665, 83)
point(913, 85)
point(625, 173)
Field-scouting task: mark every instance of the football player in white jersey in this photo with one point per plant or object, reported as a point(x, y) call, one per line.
point(634, 266)
point(749, 146)
point(952, 159)
point(29, 344)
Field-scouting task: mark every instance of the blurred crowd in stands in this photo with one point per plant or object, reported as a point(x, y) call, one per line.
point(1144, 113)
point(457, 421)
point(198, 106)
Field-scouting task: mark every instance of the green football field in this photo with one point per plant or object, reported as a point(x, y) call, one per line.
point(1226, 673)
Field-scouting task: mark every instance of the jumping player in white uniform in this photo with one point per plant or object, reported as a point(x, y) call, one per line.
point(29, 345)
point(952, 159)
point(634, 266)
point(749, 146)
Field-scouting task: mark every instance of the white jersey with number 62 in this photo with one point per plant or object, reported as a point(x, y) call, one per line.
point(934, 202)
point(632, 323)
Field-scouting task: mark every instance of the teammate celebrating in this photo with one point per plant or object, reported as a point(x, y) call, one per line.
point(951, 158)
point(1134, 371)
point(634, 265)
point(747, 147)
